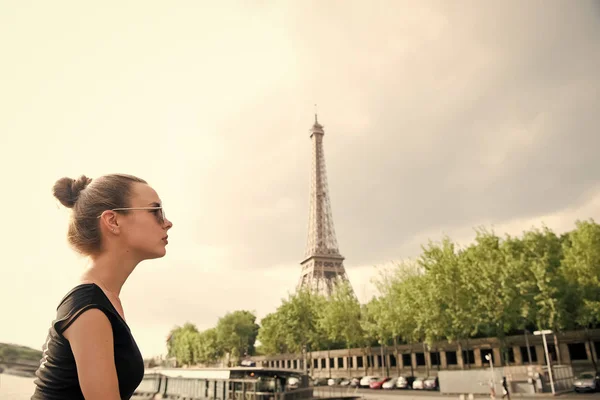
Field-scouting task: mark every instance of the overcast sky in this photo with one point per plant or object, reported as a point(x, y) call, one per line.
point(439, 117)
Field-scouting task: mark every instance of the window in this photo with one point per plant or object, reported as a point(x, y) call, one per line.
point(451, 358)
point(340, 362)
point(525, 354)
point(392, 360)
point(406, 360)
point(435, 358)
point(350, 362)
point(323, 363)
point(420, 358)
point(577, 351)
point(359, 362)
point(551, 353)
point(509, 356)
point(485, 352)
point(468, 357)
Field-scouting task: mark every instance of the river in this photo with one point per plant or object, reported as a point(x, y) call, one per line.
point(15, 387)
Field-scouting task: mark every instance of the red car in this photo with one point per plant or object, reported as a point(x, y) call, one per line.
point(379, 383)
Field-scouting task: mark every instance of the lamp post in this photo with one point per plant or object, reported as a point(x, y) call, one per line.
point(493, 388)
point(544, 333)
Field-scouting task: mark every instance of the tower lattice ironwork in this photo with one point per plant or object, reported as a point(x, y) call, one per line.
point(323, 265)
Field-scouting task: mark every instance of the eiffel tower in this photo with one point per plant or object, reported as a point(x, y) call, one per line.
point(323, 265)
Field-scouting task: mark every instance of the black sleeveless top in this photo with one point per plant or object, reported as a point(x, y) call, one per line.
point(57, 373)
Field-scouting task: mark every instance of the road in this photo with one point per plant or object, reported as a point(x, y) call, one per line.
point(370, 394)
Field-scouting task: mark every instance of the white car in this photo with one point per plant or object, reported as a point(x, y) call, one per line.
point(430, 383)
point(391, 384)
point(404, 383)
point(419, 383)
point(587, 381)
point(366, 380)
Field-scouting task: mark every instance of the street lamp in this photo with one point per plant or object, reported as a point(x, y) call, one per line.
point(544, 333)
point(489, 358)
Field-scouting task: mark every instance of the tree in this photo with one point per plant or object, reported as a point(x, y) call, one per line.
point(446, 312)
point(340, 317)
point(206, 348)
point(375, 323)
point(492, 284)
point(401, 291)
point(271, 335)
point(300, 316)
point(181, 343)
point(581, 269)
point(237, 332)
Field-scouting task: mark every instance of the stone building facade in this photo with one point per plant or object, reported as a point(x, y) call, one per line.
point(579, 349)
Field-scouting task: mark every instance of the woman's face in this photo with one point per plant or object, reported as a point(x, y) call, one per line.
point(144, 232)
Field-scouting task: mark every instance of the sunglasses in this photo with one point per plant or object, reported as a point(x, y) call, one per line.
point(158, 212)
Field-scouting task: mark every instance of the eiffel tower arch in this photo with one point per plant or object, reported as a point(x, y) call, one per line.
point(323, 265)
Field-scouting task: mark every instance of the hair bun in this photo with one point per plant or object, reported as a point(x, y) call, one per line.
point(67, 190)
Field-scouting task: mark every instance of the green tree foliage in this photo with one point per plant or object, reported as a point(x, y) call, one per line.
point(581, 272)
point(237, 332)
point(341, 315)
point(206, 347)
point(181, 343)
point(272, 335)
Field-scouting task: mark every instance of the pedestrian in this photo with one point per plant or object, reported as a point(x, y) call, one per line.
point(505, 391)
point(117, 221)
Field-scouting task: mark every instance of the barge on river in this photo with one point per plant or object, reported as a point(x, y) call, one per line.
point(239, 383)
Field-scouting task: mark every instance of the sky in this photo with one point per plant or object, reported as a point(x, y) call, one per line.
point(439, 117)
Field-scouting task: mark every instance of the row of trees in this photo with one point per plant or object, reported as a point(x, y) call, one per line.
point(492, 287)
point(233, 337)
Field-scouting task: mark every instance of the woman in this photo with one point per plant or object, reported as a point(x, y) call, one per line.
point(117, 221)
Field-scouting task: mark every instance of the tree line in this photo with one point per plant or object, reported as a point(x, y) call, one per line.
point(493, 287)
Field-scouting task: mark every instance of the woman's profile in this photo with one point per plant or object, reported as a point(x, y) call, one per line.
point(117, 221)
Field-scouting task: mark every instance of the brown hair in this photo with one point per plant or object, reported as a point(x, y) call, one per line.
point(88, 200)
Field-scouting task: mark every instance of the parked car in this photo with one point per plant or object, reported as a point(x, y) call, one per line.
point(431, 383)
point(390, 384)
point(405, 382)
point(355, 381)
point(345, 382)
point(378, 383)
point(587, 381)
point(419, 383)
point(366, 380)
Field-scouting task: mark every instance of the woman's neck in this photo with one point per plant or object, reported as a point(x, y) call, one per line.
point(111, 270)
